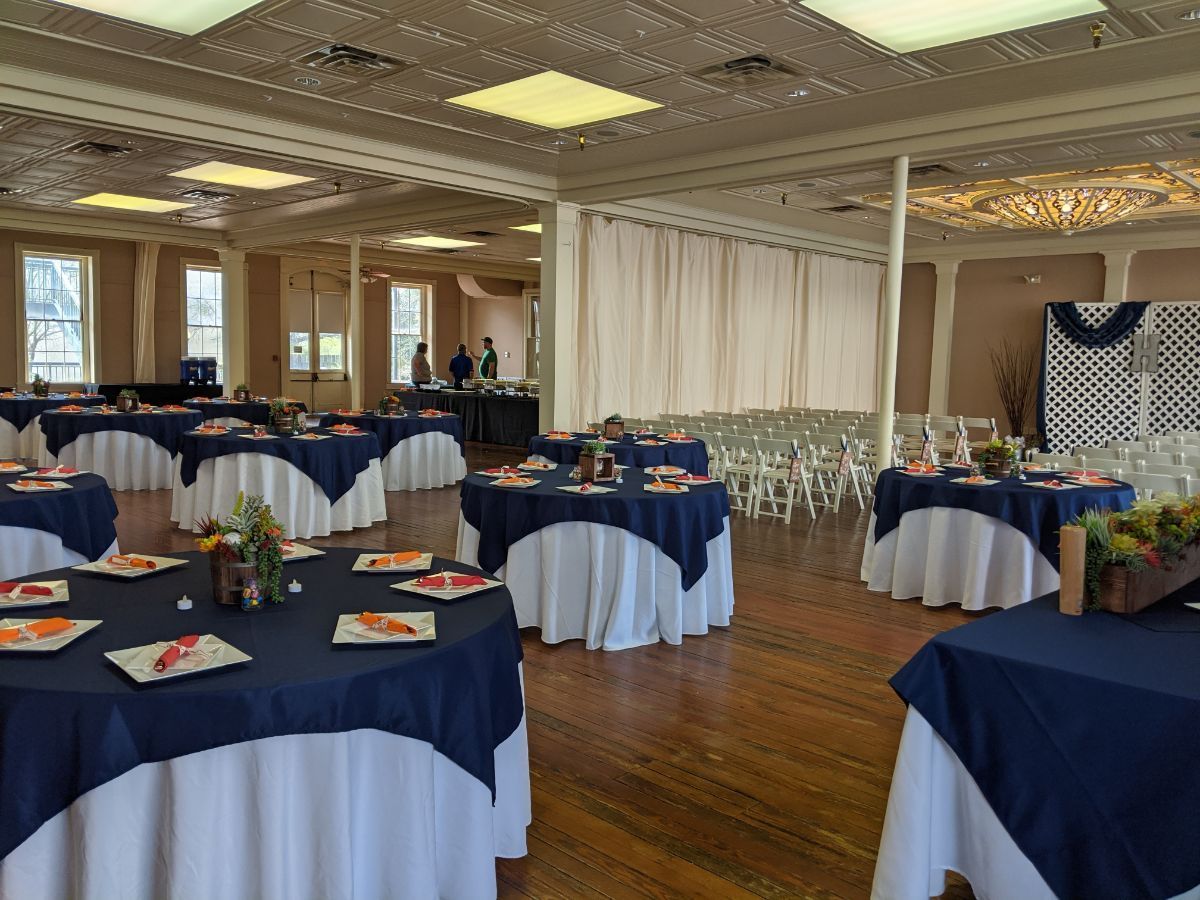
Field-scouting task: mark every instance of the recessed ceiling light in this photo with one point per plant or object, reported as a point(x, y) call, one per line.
point(907, 25)
point(240, 176)
point(553, 100)
point(1190, 15)
point(533, 258)
point(982, 164)
point(799, 92)
point(436, 243)
point(184, 17)
point(1195, 134)
point(535, 227)
point(125, 201)
point(308, 81)
point(607, 132)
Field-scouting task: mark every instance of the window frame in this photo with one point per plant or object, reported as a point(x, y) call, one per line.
point(212, 265)
point(90, 261)
point(428, 306)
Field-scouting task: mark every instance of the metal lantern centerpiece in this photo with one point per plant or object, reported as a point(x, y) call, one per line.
point(596, 463)
point(614, 427)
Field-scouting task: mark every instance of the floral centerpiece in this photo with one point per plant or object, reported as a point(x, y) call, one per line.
point(128, 400)
point(286, 416)
point(247, 545)
point(40, 387)
point(998, 455)
point(614, 427)
point(389, 405)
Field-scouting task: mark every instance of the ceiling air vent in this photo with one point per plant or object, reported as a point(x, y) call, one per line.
point(99, 149)
point(7, 190)
point(849, 207)
point(354, 61)
point(206, 196)
point(926, 171)
point(747, 71)
point(481, 233)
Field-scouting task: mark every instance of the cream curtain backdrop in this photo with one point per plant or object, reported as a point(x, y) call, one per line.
point(671, 321)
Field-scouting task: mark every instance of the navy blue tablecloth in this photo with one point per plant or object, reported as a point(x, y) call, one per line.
point(488, 419)
point(84, 516)
point(255, 412)
point(71, 721)
point(1082, 734)
point(692, 456)
point(681, 526)
point(333, 464)
point(20, 411)
point(164, 428)
point(391, 430)
point(1037, 512)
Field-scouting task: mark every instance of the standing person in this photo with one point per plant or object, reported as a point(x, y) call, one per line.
point(421, 371)
point(487, 362)
point(461, 367)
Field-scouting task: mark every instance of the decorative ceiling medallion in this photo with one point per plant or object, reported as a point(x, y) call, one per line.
point(1069, 208)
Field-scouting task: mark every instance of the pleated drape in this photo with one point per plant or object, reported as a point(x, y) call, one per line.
point(145, 272)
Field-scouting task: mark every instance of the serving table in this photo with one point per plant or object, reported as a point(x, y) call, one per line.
point(20, 421)
point(618, 570)
point(691, 455)
point(419, 452)
point(975, 545)
point(48, 529)
point(133, 451)
point(222, 411)
point(332, 483)
point(488, 418)
point(311, 771)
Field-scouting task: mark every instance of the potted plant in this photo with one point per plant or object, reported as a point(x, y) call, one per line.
point(614, 427)
point(128, 401)
point(287, 418)
point(389, 405)
point(998, 456)
point(241, 393)
point(246, 547)
point(1015, 367)
point(596, 463)
point(40, 387)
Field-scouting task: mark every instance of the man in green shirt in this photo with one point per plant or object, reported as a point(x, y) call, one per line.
point(487, 362)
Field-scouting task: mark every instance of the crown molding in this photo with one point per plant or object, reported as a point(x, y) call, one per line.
point(449, 264)
point(79, 223)
point(1109, 240)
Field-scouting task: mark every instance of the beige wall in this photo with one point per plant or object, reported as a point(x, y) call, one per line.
point(916, 337)
point(503, 321)
point(1165, 275)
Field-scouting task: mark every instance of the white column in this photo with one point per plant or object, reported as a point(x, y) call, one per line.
point(943, 337)
point(1116, 274)
point(560, 304)
point(357, 355)
point(235, 319)
point(891, 310)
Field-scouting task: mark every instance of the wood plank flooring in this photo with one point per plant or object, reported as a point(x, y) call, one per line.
point(750, 762)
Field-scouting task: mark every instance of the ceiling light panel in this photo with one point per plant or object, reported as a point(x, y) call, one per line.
point(183, 16)
point(240, 176)
point(536, 227)
point(136, 204)
point(436, 243)
point(554, 100)
point(908, 25)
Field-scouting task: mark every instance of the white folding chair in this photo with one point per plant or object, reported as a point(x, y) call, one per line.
point(775, 461)
point(1128, 445)
point(739, 469)
point(714, 455)
point(1147, 456)
point(1148, 485)
point(1055, 460)
point(1099, 452)
point(823, 453)
point(1159, 469)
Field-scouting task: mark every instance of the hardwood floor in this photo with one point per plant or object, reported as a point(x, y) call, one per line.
point(750, 762)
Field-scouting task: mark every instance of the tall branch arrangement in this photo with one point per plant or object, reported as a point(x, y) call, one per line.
point(1015, 367)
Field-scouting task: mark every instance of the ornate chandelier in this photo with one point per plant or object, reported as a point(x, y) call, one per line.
point(1068, 208)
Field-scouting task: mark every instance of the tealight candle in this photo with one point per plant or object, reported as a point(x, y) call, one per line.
point(184, 602)
point(294, 587)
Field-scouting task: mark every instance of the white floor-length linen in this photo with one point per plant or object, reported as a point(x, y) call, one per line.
point(428, 460)
point(21, 444)
point(296, 500)
point(127, 461)
point(946, 555)
point(938, 820)
point(607, 586)
point(360, 815)
point(24, 551)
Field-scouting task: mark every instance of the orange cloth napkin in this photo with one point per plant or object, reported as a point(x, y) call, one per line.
point(666, 470)
point(11, 465)
point(444, 580)
point(211, 429)
point(693, 478)
point(922, 468)
point(534, 464)
point(559, 435)
point(70, 407)
point(511, 480)
point(58, 470)
point(503, 470)
point(677, 436)
point(38, 629)
point(132, 562)
point(974, 479)
point(343, 428)
point(385, 623)
point(26, 483)
point(665, 485)
point(29, 590)
point(181, 647)
point(394, 559)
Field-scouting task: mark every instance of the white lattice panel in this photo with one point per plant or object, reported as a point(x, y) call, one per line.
point(1173, 397)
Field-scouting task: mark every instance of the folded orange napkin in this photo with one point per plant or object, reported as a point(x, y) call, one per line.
point(70, 407)
point(665, 485)
point(974, 479)
point(394, 559)
point(511, 480)
point(175, 407)
point(40, 628)
point(170, 656)
point(652, 443)
point(384, 623)
point(1080, 473)
point(686, 477)
point(347, 412)
point(343, 428)
point(11, 465)
point(26, 483)
point(444, 580)
point(211, 429)
point(666, 470)
point(585, 487)
point(29, 590)
point(559, 435)
point(58, 470)
point(503, 470)
point(922, 468)
point(534, 464)
point(131, 562)
point(200, 400)
point(8, 395)
point(1052, 483)
point(74, 394)
point(1098, 482)
point(677, 436)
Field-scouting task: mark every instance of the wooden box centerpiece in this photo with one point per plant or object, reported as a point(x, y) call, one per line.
point(614, 427)
point(128, 400)
point(40, 387)
point(242, 394)
point(998, 456)
point(596, 463)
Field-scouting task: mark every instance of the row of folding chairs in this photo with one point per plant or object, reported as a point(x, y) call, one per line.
point(1173, 455)
point(1147, 479)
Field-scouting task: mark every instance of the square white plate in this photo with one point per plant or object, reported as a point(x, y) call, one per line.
point(214, 653)
point(447, 593)
point(349, 631)
point(922, 474)
point(683, 489)
point(516, 471)
point(49, 643)
point(210, 433)
point(420, 564)
point(302, 551)
point(53, 475)
point(983, 483)
point(101, 566)
point(680, 440)
point(1079, 482)
point(257, 437)
point(650, 443)
point(58, 486)
point(686, 480)
point(60, 595)
point(499, 483)
point(594, 489)
point(14, 470)
point(1066, 486)
point(665, 470)
point(351, 434)
point(537, 467)
point(311, 437)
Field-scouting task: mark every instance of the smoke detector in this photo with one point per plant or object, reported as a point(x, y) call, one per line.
point(747, 71)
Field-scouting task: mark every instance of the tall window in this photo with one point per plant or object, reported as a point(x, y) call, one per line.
point(408, 319)
point(56, 297)
point(203, 311)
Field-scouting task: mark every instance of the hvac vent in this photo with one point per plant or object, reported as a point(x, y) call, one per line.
point(481, 233)
point(926, 171)
point(347, 60)
point(842, 209)
point(206, 196)
point(7, 190)
point(747, 71)
point(99, 149)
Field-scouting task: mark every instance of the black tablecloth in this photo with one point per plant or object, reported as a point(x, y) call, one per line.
point(164, 428)
point(72, 721)
point(491, 420)
point(161, 394)
point(20, 411)
point(82, 516)
point(255, 412)
point(692, 456)
point(391, 430)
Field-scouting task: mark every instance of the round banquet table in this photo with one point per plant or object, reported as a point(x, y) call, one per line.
point(311, 771)
point(50, 529)
point(20, 421)
point(133, 451)
point(314, 486)
point(235, 412)
point(690, 455)
point(974, 545)
point(419, 452)
point(616, 570)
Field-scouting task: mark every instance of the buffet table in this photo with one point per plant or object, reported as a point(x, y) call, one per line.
point(486, 418)
point(312, 770)
point(975, 545)
point(20, 422)
point(314, 486)
point(691, 455)
point(161, 394)
point(133, 451)
point(49, 529)
point(617, 570)
point(419, 452)
point(235, 412)
point(1047, 755)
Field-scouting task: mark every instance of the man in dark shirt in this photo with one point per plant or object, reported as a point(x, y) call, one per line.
point(461, 366)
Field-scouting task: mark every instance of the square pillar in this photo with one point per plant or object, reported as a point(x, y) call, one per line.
point(356, 358)
point(235, 318)
point(943, 337)
point(1116, 275)
point(559, 314)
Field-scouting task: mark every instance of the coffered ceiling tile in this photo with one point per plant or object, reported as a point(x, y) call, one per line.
point(728, 107)
point(664, 119)
point(504, 128)
point(1044, 153)
point(818, 89)
point(404, 42)
point(287, 44)
point(877, 76)
point(431, 84)
point(626, 23)
point(30, 12)
point(677, 90)
point(1166, 18)
point(781, 27)
point(836, 54)
point(707, 10)
point(617, 71)
point(324, 19)
point(964, 57)
point(551, 47)
point(124, 35)
point(218, 58)
point(485, 67)
point(476, 21)
point(695, 50)
point(1071, 36)
point(447, 115)
point(549, 8)
point(378, 98)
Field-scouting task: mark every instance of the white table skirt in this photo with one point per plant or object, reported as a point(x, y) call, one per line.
point(28, 550)
point(127, 461)
point(296, 500)
point(429, 460)
point(948, 555)
point(938, 821)
point(360, 815)
point(607, 586)
point(21, 444)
